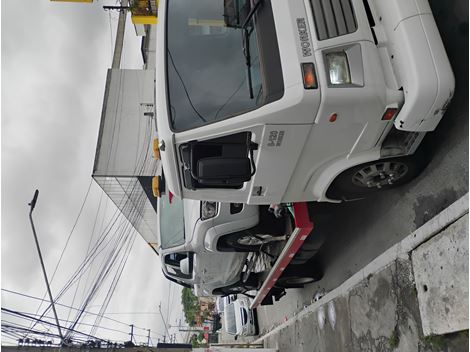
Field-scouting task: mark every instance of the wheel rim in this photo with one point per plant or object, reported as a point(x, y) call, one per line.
point(380, 174)
point(251, 240)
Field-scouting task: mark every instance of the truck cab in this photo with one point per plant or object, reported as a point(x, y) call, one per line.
point(274, 101)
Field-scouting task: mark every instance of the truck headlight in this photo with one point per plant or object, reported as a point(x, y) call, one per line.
point(208, 209)
point(338, 68)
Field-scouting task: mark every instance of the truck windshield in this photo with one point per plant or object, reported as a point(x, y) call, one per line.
point(171, 222)
point(213, 66)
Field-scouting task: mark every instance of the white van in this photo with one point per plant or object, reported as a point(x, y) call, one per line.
point(239, 319)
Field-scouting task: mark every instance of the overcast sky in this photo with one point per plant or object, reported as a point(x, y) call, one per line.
point(53, 70)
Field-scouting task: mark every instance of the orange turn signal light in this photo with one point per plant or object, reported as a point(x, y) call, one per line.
point(309, 76)
point(156, 149)
point(156, 186)
point(389, 114)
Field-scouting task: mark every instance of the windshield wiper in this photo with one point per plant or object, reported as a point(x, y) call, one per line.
point(246, 44)
point(251, 14)
point(246, 53)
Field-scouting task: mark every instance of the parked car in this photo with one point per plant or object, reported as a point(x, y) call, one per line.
point(189, 232)
point(239, 319)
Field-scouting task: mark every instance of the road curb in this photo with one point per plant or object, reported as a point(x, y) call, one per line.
point(400, 250)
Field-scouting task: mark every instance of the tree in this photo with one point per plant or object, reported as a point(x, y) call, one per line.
point(190, 305)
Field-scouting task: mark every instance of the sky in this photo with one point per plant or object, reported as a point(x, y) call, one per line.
point(54, 59)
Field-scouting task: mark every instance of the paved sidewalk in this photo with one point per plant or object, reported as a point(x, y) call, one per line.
point(378, 308)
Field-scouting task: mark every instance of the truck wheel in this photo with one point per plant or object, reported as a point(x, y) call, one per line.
point(364, 179)
point(255, 317)
point(296, 276)
point(240, 286)
point(229, 290)
point(245, 241)
point(314, 241)
point(303, 256)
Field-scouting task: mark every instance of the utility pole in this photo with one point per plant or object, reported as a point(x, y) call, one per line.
point(118, 45)
point(148, 338)
point(164, 322)
point(132, 332)
point(32, 205)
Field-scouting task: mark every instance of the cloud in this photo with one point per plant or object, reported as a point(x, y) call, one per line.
point(54, 62)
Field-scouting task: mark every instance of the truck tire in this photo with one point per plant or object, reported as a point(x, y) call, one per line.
point(296, 276)
point(243, 241)
point(239, 287)
point(310, 248)
point(229, 290)
point(365, 179)
point(314, 241)
point(255, 317)
point(303, 256)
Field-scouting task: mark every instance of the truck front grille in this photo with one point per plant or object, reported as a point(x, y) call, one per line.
point(333, 18)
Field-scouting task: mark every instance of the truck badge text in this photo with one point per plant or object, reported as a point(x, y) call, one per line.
point(303, 36)
point(275, 138)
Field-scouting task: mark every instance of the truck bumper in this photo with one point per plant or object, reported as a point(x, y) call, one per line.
point(419, 61)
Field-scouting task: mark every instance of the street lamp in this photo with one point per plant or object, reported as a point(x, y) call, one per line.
point(32, 205)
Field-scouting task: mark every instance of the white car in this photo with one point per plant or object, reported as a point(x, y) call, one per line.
point(204, 245)
point(239, 319)
point(220, 304)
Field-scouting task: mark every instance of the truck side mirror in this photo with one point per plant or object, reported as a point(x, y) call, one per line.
point(184, 266)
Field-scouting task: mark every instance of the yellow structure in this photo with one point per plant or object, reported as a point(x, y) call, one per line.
point(202, 22)
point(144, 11)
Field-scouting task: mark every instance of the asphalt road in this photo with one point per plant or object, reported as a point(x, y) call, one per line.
point(362, 230)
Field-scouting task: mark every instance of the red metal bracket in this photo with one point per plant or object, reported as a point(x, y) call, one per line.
point(303, 228)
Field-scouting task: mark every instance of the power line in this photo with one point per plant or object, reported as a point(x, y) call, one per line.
point(44, 321)
point(67, 306)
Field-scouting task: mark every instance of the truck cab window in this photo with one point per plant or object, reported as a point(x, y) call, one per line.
point(209, 54)
point(171, 216)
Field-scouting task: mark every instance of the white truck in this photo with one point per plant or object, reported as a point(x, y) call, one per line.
point(271, 101)
point(274, 101)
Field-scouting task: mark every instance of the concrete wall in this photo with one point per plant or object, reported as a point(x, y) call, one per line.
point(127, 125)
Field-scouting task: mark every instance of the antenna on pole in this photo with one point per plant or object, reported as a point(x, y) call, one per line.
point(32, 204)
